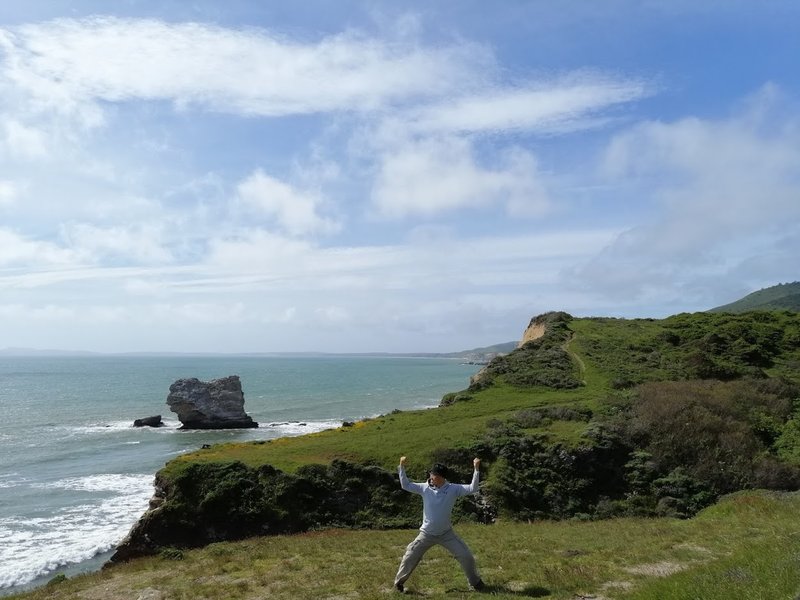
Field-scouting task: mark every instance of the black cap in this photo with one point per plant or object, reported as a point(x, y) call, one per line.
point(439, 469)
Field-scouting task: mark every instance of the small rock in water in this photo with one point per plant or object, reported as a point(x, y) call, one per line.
point(154, 421)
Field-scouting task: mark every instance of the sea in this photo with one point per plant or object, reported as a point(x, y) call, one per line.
point(75, 475)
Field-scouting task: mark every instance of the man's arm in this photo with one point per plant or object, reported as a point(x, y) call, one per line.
point(409, 486)
point(476, 477)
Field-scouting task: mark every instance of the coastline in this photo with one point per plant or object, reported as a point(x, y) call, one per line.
point(73, 465)
point(90, 565)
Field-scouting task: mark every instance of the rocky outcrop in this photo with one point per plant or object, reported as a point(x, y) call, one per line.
point(535, 329)
point(217, 404)
point(154, 421)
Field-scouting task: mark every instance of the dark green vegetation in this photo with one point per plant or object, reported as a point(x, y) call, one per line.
point(784, 296)
point(596, 418)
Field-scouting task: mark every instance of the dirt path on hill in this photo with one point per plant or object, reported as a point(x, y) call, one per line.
point(575, 357)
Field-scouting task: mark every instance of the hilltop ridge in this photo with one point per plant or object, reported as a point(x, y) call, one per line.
point(784, 296)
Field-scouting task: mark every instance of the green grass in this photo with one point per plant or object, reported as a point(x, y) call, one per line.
point(746, 547)
point(382, 440)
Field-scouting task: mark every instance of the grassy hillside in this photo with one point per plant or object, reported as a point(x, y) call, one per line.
point(598, 418)
point(784, 296)
point(745, 547)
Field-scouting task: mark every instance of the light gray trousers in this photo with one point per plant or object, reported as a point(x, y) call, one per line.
point(424, 541)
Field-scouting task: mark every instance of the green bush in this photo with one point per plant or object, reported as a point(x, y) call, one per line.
point(717, 432)
point(55, 580)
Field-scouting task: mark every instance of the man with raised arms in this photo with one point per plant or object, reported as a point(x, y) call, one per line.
point(438, 498)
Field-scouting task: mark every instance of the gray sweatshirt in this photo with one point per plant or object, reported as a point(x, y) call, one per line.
point(437, 503)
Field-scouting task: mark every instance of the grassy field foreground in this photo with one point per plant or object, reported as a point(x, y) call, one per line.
point(746, 547)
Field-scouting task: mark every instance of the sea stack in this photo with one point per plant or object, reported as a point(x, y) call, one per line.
point(217, 404)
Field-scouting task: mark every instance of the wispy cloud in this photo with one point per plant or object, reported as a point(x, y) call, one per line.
point(577, 101)
point(140, 243)
point(722, 190)
point(65, 64)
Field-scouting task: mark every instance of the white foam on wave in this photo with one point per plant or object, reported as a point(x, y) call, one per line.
point(33, 547)
point(293, 428)
point(110, 482)
point(12, 480)
point(109, 427)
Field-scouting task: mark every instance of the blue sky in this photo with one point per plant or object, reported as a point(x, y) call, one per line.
point(346, 176)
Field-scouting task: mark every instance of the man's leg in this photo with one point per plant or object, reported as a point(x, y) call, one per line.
point(411, 558)
point(456, 546)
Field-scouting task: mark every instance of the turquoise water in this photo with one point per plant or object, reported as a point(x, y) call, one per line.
point(75, 475)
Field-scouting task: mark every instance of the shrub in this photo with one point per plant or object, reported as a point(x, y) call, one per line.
point(680, 495)
point(171, 554)
point(534, 479)
point(715, 431)
point(55, 580)
point(454, 397)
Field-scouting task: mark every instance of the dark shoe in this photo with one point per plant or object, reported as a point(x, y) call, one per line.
point(479, 585)
point(399, 587)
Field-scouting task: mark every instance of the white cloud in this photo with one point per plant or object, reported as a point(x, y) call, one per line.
point(435, 175)
point(141, 243)
point(143, 287)
point(256, 284)
point(68, 64)
point(47, 313)
point(8, 193)
point(714, 179)
point(295, 211)
point(332, 315)
point(287, 315)
point(572, 102)
point(720, 191)
point(18, 250)
point(258, 250)
point(18, 140)
point(200, 313)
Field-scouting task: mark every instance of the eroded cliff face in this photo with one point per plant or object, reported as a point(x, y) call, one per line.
point(536, 329)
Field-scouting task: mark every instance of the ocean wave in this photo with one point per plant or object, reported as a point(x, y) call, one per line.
point(109, 427)
point(33, 547)
point(293, 428)
point(110, 482)
point(12, 480)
